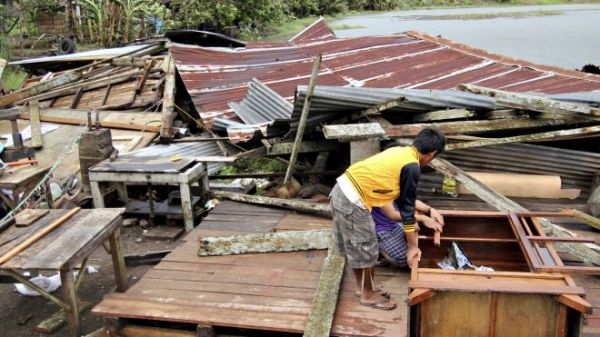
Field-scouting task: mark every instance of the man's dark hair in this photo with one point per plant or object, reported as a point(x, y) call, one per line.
point(429, 140)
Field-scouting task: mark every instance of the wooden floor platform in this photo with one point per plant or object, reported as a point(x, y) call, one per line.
point(267, 292)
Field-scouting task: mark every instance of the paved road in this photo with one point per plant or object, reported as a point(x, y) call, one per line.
point(569, 38)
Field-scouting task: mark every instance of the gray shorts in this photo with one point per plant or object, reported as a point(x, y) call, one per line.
point(353, 231)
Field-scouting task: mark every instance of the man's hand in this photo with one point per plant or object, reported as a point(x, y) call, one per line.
point(431, 223)
point(413, 253)
point(435, 215)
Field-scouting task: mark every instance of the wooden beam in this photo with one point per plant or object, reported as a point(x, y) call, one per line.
point(535, 137)
point(168, 102)
point(585, 218)
point(529, 102)
point(297, 205)
point(303, 119)
point(2, 66)
point(575, 302)
point(442, 115)
point(324, 303)
point(503, 203)
point(478, 126)
point(25, 93)
point(287, 241)
point(36, 126)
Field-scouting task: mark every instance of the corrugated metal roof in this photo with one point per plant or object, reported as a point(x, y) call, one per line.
point(318, 30)
point(198, 149)
point(262, 105)
point(326, 101)
point(215, 77)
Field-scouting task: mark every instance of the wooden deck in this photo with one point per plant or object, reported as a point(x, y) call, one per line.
point(267, 292)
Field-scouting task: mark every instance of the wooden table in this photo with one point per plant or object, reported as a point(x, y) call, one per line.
point(22, 180)
point(150, 171)
point(65, 249)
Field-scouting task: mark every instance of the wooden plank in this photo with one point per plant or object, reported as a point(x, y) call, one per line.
point(57, 320)
point(29, 216)
point(303, 119)
point(526, 315)
point(576, 302)
point(36, 127)
point(323, 308)
point(163, 233)
point(147, 121)
point(304, 206)
point(280, 148)
point(530, 102)
point(447, 313)
point(376, 109)
point(262, 243)
point(147, 331)
point(118, 261)
point(585, 218)
point(67, 77)
point(37, 236)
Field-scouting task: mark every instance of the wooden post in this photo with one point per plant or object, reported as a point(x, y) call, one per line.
point(186, 206)
point(36, 127)
point(116, 253)
point(97, 194)
point(2, 66)
point(303, 118)
point(530, 102)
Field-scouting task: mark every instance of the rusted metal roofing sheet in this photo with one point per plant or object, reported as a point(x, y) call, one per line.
point(318, 30)
point(215, 76)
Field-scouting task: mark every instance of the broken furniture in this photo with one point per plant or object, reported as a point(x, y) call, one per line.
point(527, 294)
point(64, 249)
point(19, 181)
point(17, 150)
point(149, 171)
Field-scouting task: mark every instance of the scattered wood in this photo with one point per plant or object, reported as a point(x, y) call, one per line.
point(324, 303)
point(25, 93)
point(576, 302)
point(280, 148)
point(419, 295)
point(585, 218)
point(442, 115)
point(529, 102)
point(303, 119)
point(57, 320)
point(287, 241)
point(297, 205)
point(29, 216)
point(586, 252)
point(375, 110)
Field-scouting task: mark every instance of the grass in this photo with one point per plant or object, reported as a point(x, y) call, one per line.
point(13, 78)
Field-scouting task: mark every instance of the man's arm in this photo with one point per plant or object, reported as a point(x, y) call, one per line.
point(429, 211)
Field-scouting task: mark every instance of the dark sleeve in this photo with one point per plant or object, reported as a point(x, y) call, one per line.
point(409, 178)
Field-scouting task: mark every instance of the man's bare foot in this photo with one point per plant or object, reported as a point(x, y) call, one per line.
point(380, 291)
point(379, 302)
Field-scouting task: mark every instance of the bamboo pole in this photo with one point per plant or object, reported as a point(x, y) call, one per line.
point(303, 118)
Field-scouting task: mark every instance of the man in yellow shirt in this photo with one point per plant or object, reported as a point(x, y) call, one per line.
point(389, 176)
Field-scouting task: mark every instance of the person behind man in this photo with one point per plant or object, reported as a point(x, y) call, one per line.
point(389, 176)
point(394, 243)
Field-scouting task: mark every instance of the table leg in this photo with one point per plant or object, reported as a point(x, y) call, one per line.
point(116, 252)
point(70, 298)
point(122, 192)
point(97, 194)
point(186, 205)
point(48, 193)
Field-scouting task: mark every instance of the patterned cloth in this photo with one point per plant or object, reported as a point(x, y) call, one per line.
point(393, 243)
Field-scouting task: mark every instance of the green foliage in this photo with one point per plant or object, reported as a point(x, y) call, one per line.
point(254, 165)
point(4, 46)
point(13, 78)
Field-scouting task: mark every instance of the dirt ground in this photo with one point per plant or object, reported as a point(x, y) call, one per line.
point(20, 314)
